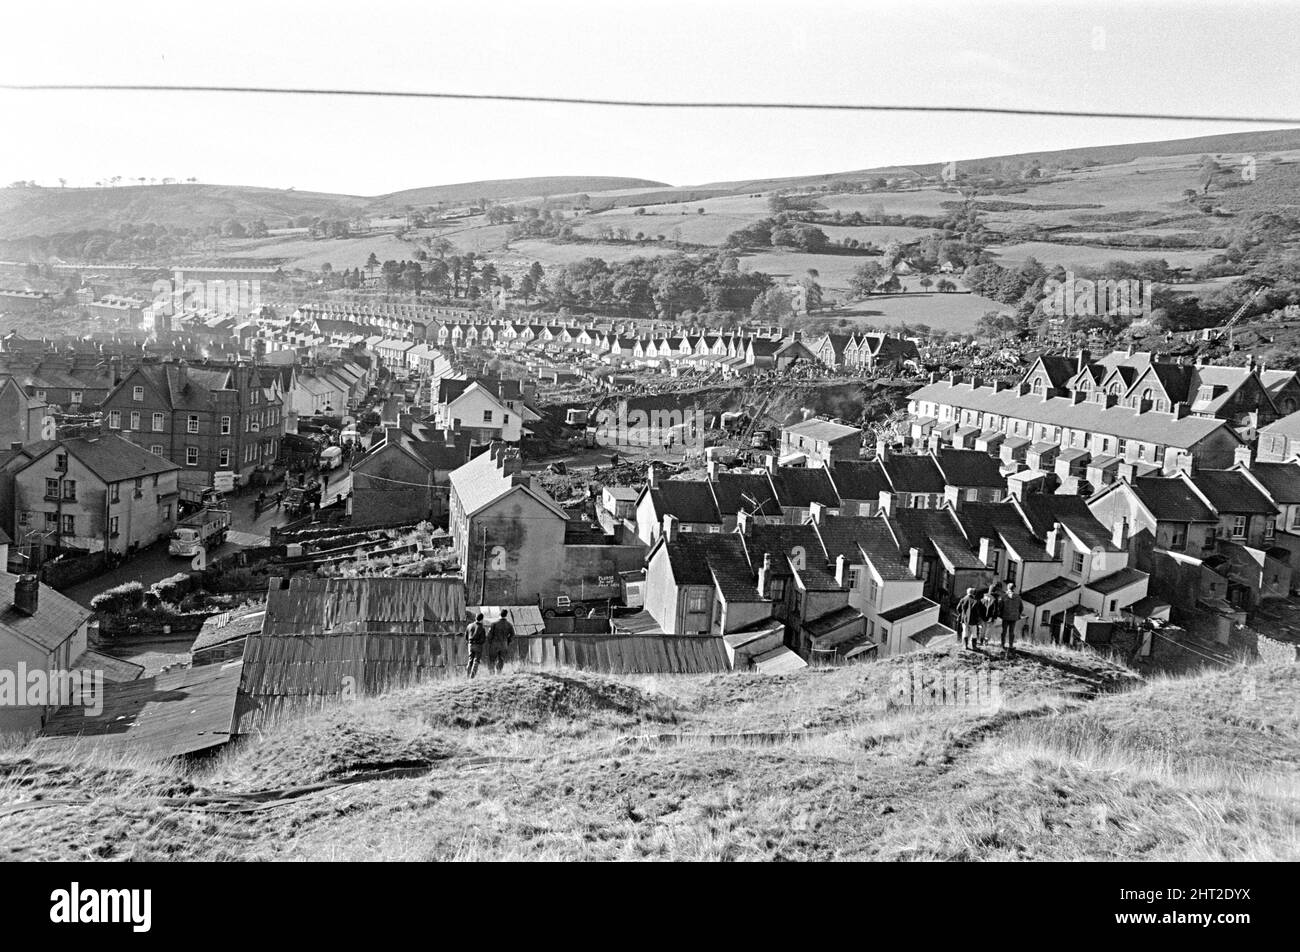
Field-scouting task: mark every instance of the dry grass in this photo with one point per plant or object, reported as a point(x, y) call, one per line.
point(1080, 760)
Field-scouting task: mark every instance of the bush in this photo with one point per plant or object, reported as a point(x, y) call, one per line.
point(127, 597)
point(174, 588)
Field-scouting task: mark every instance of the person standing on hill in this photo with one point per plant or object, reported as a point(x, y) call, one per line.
point(1012, 609)
point(476, 639)
point(500, 635)
point(969, 613)
point(991, 609)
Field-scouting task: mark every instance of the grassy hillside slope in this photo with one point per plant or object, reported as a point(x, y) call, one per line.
point(1080, 760)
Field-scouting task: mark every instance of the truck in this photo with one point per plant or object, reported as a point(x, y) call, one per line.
point(204, 529)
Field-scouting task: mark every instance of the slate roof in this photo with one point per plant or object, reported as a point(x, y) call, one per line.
point(914, 607)
point(1117, 580)
point(690, 500)
point(1042, 594)
point(970, 468)
point(934, 531)
point(1172, 500)
point(780, 540)
point(1282, 480)
point(1119, 421)
point(114, 459)
point(57, 616)
point(695, 556)
point(833, 620)
point(730, 490)
point(913, 474)
point(865, 480)
point(1288, 426)
point(1228, 490)
point(799, 487)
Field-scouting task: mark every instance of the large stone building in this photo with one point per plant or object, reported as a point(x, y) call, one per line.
point(205, 418)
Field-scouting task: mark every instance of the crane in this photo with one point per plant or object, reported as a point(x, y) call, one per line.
point(1218, 332)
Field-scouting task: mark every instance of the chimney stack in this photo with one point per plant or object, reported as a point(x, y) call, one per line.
point(743, 521)
point(1180, 410)
point(769, 463)
point(1244, 455)
point(986, 551)
point(1119, 535)
point(765, 576)
point(914, 561)
point(882, 449)
point(841, 570)
point(670, 528)
point(1054, 540)
point(27, 594)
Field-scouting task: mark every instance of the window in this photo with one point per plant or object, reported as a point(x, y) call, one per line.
point(1269, 528)
point(75, 396)
point(225, 426)
point(1121, 447)
point(139, 488)
point(137, 394)
point(51, 520)
point(855, 577)
point(40, 394)
point(115, 493)
point(112, 526)
point(192, 424)
point(1142, 452)
point(873, 592)
point(972, 495)
point(1295, 517)
point(69, 525)
point(115, 419)
point(51, 488)
point(487, 416)
point(25, 517)
point(167, 511)
point(224, 459)
point(1178, 537)
point(1076, 565)
point(70, 489)
point(1239, 527)
point(156, 449)
point(191, 456)
point(157, 422)
point(135, 419)
point(696, 602)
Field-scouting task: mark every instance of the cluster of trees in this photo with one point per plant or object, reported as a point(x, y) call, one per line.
point(782, 231)
point(667, 285)
point(536, 222)
point(457, 276)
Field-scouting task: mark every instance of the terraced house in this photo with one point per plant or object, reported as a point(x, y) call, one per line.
point(205, 418)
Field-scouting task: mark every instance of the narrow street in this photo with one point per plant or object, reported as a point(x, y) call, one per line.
point(153, 564)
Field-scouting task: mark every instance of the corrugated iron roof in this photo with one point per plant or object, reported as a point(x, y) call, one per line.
point(177, 713)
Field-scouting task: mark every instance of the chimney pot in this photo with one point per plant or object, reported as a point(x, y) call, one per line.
point(27, 594)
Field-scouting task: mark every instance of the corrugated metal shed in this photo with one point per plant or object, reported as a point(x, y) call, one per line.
point(177, 713)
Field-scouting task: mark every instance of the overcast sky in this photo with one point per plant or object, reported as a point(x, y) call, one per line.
point(1188, 57)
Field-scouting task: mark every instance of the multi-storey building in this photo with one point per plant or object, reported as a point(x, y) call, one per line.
point(208, 418)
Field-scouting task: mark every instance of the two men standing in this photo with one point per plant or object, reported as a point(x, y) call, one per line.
point(494, 640)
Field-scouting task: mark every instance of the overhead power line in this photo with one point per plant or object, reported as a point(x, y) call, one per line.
point(644, 103)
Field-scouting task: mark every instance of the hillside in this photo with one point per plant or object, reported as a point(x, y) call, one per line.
point(1081, 760)
point(500, 190)
point(1273, 140)
point(50, 211)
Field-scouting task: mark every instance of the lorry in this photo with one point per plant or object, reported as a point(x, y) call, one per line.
point(204, 529)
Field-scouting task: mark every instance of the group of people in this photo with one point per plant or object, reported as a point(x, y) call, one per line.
point(978, 614)
point(492, 640)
